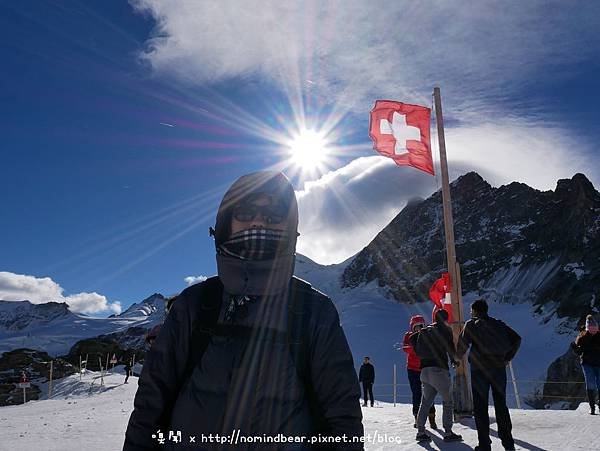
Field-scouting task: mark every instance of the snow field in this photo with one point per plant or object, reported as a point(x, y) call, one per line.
point(78, 418)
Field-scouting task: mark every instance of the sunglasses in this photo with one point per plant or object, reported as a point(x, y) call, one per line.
point(272, 214)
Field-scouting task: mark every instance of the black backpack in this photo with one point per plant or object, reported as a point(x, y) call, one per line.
point(427, 340)
point(204, 326)
point(493, 336)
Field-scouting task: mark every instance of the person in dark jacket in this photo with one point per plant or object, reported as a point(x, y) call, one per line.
point(413, 369)
point(127, 372)
point(493, 345)
point(366, 376)
point(435, 346)
point(266, 363)
point(587, 346)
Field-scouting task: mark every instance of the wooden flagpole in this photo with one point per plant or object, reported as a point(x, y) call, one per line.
point(463, 404)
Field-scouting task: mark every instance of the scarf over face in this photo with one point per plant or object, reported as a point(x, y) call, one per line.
point(256, 262)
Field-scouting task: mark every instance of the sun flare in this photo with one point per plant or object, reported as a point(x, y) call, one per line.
point(308, 149)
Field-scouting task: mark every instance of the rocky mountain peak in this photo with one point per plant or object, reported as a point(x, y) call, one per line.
point(469, 184)
point(16, 315)
point(469, 179)
point(514, 243)
point(152, 305)
point(577, 191)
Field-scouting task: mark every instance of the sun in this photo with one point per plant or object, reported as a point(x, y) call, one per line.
point(308, 149)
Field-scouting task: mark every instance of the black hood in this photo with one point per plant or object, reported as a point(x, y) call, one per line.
point(251, 277)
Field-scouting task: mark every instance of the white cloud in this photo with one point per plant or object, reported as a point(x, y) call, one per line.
point(355, 50)
point(345, 54)
point(512, 150)
point(344, 210)
point(341, 212)
point(92, 303)
point(39, 290)
point(192, 280)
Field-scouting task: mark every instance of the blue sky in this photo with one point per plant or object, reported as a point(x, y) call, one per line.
point(124, 123)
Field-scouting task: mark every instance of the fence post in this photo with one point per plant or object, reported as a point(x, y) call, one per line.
point(50, 384)
point(101, 371)
point(394, 385)
point(512, 375)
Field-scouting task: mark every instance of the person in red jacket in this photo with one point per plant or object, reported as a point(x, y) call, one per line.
point(413, 368)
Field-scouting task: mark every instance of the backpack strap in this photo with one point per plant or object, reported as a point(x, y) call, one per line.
point(211, 301)
point(205, 325)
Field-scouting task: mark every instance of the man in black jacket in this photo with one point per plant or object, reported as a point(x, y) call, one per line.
point(493, 346)
point(254, 351)
point(127, 372)
point(434, 345)
point(366, 375)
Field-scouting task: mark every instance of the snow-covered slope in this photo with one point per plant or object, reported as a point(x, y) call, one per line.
point(16, 316)
point(51, 327)
point(81, 414)
point(375, 324)
point(152, 306)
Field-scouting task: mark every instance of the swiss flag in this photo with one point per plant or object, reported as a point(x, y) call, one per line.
point(439, 293)
point(400, 131)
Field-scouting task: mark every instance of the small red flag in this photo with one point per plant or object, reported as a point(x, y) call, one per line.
point(400, 131)
point(439, 293)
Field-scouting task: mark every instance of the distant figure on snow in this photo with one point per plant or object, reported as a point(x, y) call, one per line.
point(127, 371)
point(587, 346)
point(366, 376)
point(493, 346)
point(434, 345)
point(413, 369)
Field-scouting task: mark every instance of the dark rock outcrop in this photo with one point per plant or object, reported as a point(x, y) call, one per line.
point(564, 384)
point(36, 365)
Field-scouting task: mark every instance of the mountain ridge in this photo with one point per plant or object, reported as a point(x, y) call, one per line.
point(496, 231)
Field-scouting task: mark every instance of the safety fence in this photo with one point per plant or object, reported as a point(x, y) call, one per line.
point(532, 392)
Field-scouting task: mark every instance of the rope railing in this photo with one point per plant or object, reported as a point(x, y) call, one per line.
point(516, 380)
point(399, 390)
point(551, 382)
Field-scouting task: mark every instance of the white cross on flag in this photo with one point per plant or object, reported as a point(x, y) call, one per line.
point(400, 131)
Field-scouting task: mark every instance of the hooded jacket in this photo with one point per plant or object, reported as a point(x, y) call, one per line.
point(248, 384)
point(413, 362)
point(250, 277)
point(588, 347)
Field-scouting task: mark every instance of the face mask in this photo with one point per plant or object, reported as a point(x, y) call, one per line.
point(257, 244)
